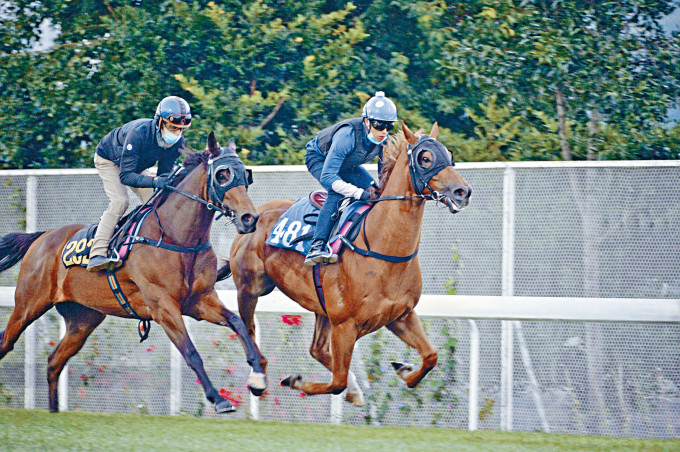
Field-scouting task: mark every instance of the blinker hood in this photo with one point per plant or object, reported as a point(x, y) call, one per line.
point(441, 158)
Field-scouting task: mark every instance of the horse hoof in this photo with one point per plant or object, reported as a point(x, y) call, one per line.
point(291, 380)
point(402, 369)
point(224, 407)
point(257, 383)
point(355, 398)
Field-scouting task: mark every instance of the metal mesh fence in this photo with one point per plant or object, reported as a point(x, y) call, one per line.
point(579, 231)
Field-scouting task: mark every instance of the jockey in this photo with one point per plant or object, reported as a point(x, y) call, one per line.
point(334, 157)
point(123, 158)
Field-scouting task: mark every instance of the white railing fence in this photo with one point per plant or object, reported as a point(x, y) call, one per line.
point(565, 317)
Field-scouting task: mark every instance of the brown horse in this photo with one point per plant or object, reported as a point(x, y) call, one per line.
point(161, 283)
point(362, 293)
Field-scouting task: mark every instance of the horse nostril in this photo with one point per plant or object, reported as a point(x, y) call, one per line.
point(249, 219)
point(461, 193)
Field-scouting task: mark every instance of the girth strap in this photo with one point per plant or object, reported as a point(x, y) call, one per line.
point(168, 246)
point(319, 287)
point(144, 326)
point(373, 254)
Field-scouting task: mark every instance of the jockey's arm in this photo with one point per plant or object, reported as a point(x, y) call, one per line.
point(341, 146)
point(128, 163)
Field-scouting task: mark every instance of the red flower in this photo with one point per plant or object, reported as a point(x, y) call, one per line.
point(233, 335)
point(302, 394)
point(51, 343)
point(291, 319)
point(234, 399)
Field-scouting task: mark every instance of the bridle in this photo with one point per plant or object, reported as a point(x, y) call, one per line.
point(420, 177)
point(216, 191)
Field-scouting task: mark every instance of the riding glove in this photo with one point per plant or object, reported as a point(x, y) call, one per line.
point(160, 182)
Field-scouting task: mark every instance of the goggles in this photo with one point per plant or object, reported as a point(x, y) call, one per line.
point(382, 125)
point(178, 121)
point(173, 128)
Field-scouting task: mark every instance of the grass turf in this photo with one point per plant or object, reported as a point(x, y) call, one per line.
point(26, 430)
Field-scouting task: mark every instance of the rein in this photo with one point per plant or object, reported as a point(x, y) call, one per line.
point(211, 206)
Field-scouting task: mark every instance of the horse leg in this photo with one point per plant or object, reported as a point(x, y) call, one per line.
point(321, 351)
point(251, 283)
point(211, 309)
point(167, 314)
point(80, 323)
point(343, 338)
point(409, 329)
point(19, 320)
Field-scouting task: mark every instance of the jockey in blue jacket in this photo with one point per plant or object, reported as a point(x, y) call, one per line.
point(334, 157)
point(123, 158)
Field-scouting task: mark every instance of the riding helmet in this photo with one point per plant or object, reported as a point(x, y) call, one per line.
point(175, 110)
point(380, 108)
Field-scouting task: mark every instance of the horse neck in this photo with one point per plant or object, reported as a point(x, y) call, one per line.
point(394, 226)
point(185, 221)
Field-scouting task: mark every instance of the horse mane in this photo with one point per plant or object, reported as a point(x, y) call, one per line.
point(391, 152)
point(191, 161)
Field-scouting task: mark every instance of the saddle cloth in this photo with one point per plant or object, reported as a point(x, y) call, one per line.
point(77, 249)
point(295, 228)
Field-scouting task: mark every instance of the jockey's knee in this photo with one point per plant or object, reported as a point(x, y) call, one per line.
point(119, 207)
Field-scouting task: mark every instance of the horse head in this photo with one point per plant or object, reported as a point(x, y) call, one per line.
point(227, 186)
point(432, 170)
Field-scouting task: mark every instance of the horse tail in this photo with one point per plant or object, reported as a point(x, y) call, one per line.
point(223, 269)
point(14, 246)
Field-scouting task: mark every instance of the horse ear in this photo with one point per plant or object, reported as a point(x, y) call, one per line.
point(212, 141)
point(435, 130)
point(232, 145)
point(410, 137)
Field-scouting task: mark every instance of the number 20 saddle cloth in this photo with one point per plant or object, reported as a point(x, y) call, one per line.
point(295, 228)
point(77, 249)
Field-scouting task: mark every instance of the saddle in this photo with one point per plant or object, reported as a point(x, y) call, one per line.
point(77, 249)
point(295, 228)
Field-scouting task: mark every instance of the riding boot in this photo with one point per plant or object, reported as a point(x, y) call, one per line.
point(320, 253)
point(98, 263)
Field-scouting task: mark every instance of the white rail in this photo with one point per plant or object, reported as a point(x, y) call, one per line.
point(445, 306)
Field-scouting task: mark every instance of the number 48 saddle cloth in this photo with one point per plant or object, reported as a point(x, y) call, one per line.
point(295, 228)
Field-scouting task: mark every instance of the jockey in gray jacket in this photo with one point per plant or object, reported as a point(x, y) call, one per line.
point(334, 157)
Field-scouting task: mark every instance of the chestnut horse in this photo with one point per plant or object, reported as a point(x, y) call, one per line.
point(362, 293)
point(161, 283)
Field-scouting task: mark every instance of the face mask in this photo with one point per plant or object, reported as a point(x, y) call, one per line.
point(374, 140)
point(170, 138)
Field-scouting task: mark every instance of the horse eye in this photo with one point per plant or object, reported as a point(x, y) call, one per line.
point(425, 161)
point(223, 177)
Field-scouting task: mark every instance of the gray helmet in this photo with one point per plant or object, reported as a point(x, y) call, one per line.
point(175, 110)
point(380, 108)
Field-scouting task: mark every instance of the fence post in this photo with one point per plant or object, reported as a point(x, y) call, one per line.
point(175, 380)
point(254, 400)
point(29, 334)
point(63, 378)
point(473, 405)
point(507, 289)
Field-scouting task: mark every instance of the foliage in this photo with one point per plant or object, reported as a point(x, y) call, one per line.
point(271, 74)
